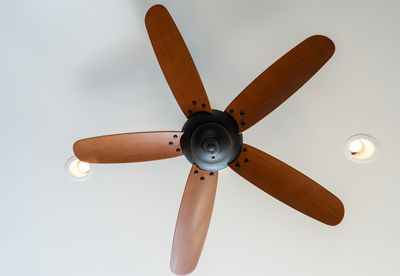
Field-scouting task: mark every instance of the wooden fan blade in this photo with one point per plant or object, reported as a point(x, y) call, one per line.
point(176, 62)
point(288, 185)
point(278, 82)
point(129, 147)
point(193, 220)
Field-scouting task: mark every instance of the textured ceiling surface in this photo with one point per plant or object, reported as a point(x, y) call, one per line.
point(75, 69)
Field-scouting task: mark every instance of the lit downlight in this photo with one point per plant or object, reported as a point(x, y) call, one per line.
point(77, 168)
point(361, 148)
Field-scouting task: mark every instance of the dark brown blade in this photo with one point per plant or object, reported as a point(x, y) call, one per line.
point(276, 84)
point(176, 62)
point(129, 147)
point(193, 220)
point(288, 185)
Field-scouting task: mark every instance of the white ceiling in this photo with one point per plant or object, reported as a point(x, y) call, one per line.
point(71, 69)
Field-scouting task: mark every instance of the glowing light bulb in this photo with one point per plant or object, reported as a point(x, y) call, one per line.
point(83, 167)
point(361, 148)
point(356, 146)
point(77, 168)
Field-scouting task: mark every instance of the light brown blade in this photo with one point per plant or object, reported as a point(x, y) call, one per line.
point(193, 220)
point(176, 62)
point(278, 82)
point(129, 147)
point(288, 185)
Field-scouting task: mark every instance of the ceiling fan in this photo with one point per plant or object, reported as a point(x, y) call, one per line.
point(212, 140)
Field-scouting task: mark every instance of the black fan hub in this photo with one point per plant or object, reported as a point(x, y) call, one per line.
point(211, 141)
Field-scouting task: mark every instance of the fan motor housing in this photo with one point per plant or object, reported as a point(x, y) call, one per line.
point(211, 141)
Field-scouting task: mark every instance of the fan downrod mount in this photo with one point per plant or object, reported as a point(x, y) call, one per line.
point(211, 141)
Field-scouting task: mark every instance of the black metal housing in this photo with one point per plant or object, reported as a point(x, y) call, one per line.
point(211, 141)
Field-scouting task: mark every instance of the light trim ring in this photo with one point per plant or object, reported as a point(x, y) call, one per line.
point(78, 169)
point(361, 148)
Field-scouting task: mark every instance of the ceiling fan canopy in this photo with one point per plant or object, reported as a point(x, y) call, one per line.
point(212, 140)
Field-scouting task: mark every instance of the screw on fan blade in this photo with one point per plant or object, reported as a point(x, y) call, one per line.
point(288, 185)
point(278, 82)
point(129, 147)
point(193, 220)
point(176, 62)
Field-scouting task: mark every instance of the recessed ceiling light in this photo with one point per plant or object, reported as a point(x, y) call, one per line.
point(77, 168)
point(361, 148)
